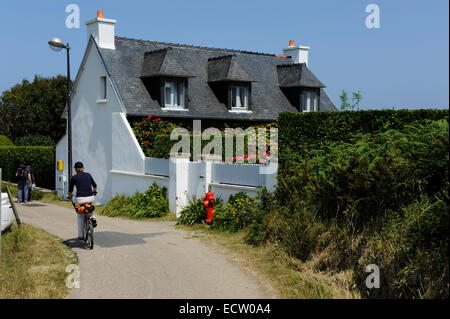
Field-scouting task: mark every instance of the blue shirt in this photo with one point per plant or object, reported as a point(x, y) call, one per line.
point(83, 182)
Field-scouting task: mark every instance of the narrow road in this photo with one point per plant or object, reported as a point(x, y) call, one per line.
point(144, 259)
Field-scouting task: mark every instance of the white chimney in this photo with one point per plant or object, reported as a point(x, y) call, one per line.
point(299, 54)
point(102, 30)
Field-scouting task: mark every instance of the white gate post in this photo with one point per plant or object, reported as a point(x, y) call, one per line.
point(209, 160)
point(178, 182)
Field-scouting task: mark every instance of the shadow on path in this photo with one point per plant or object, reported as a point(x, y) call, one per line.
point(110, 239)
point(75, 243)
point(33, 205)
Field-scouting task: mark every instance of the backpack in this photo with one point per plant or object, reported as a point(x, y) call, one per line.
point(22, 174)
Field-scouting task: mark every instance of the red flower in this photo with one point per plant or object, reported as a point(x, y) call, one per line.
point(150, 133)
point(157, 120)
point(149, 116)
point(146, 143)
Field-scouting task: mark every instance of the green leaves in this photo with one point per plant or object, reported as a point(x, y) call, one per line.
point(34, 108)
point(5, 141)
point(152, 203)
point(193, 213)
point(34, 140)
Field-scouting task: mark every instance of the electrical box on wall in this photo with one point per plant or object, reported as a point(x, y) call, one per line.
point(60, 165)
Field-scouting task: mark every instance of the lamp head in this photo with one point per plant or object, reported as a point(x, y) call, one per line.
point(56, 44)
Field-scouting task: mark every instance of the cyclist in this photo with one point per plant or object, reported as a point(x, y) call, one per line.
point(86, 189)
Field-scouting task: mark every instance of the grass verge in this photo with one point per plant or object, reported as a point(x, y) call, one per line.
point(284, 276)
point(33, 264)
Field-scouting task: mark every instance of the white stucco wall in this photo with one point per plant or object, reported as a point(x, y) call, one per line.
point(61, 182)
point(127, 155)
point(130, 183)
point(92, 123)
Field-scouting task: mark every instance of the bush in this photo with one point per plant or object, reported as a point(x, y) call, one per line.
point(358, 182)
point(35, 140)
point(412, 253)
point(236, 214)
point(152, 203)
point(193, 213)
point(265, 203)
point(378, 198)
point(41, 157)
point(300, 133)
point(5, 141)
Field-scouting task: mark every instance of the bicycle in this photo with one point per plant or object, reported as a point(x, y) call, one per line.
point(88, 226)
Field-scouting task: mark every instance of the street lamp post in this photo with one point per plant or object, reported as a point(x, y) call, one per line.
point(57, 45)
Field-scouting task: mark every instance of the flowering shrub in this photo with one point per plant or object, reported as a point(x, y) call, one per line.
point(148, 132)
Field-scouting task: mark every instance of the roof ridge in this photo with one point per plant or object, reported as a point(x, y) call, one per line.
point(194, 46)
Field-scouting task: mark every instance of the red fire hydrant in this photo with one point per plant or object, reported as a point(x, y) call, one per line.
point(208, 203)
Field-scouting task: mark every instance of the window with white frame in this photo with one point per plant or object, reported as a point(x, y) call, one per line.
point(174, 94)
point(239, 97)
point(310, 101)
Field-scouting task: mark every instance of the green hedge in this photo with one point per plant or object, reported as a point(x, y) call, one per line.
point(41, 157)
point(5, 141)
point(34, 140)
point(301, 132)
point(366, 187)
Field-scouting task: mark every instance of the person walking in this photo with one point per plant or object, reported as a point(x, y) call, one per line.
point(33, 182)
point(23, 181)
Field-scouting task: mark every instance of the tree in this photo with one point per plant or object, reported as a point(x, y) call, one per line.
point(34, 108)
point(356, 98)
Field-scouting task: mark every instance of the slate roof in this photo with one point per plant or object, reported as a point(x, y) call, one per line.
point(133, 58)
point(296, 75)
point(164, 62)
point(227, 68)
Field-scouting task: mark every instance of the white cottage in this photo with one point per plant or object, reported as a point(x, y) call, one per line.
point(122, 78)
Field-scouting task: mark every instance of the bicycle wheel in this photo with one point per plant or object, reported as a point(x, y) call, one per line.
point(90, 235)
point(85, 229)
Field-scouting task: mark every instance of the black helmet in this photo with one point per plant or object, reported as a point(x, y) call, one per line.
point(78, 165)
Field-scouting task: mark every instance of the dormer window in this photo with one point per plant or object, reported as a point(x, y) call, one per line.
point(239, 97)
point(310, 101)
point(174, 93)
point(300, 86)
point(230, 82)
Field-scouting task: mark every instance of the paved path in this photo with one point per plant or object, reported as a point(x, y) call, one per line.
point(144, 259)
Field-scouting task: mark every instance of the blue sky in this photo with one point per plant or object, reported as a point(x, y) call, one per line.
point(403, 64)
